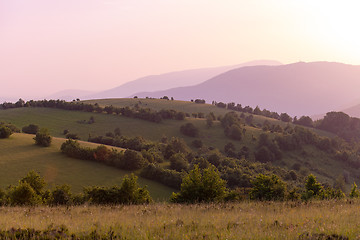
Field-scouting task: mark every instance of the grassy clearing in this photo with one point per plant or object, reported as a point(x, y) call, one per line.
point(57, 120)
point(254, 220)
point(19, 155)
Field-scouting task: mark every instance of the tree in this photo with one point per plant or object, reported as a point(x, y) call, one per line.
point(35, 181)
point(354, 193)
point(30, 129)
point(132, 193)
point(23, 194)
point(61, 195)
point(285, 117)
point(133, 160)
point(190, 130)
point(209, 121)
point(197, 186)
point(5, 132)
point(263, 154)
point(178, 162)
point(43, 138)
point(312, 187)
point(117, 132)
point(267, 188)
point(235, 132)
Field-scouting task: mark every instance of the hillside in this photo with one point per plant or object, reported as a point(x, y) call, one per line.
point(308, 157)
point(19, 155)
point(171, 80)
point(297, 89)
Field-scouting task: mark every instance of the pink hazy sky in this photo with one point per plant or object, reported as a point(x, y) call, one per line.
point(51, 45)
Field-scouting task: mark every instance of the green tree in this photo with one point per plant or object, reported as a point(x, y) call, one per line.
point(5, 132)
point(31, 129)
point(190, 130)
point(23, 194)
point(354, 193)
point(178, 162)
point(43, 138)
point(201, 186)
point(61, 195)
point(133, 160)
point(35, 181)
point(267, 188)
point(312, 187)
point(235, 132)
point(132, 193)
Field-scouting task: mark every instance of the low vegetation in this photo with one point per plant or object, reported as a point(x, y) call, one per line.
point(244, 220)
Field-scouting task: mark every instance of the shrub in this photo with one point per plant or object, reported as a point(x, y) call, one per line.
point(23, 194)
point(30, 129)
point(128, 193)
point(72, 136)
point(267, 188)
point(197, 186)
point(190, 130)
point(35, 181)
point(263, 154)
point(61, 195)
point(354, 193)
point(167, 177)
point(178, 162)
point(5, 132)
point(133, 160)
point(197, 143)
point(43, 138)
point(234, 132)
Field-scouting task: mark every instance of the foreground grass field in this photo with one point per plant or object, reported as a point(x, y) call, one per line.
point(245, 220)
point(19, 155)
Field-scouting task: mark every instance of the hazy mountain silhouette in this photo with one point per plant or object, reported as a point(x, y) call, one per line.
point(298, 88)
point(69, 94)
point(172, 80)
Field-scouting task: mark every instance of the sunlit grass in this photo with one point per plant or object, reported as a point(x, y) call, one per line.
point(19, 155)
point(246, 220)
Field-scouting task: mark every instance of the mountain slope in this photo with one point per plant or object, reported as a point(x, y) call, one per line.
point(298, 89)
point(171, 80)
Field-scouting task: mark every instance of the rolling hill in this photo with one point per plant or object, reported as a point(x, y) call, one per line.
point(297, 89)
point(323, 164)
point(19, 155)
point(171, 80)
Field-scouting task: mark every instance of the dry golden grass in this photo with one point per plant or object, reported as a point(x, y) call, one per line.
point(246, 220)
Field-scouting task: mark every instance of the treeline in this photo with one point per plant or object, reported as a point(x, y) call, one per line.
point(31, 191)
point(342, 125)
point(135, 112)
point(304, 120)
point(147, 159)
point(149, 156)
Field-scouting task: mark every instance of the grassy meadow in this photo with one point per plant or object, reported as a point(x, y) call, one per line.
point(19, 155)
point(244, 220)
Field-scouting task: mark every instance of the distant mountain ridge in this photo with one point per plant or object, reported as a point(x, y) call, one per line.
point(298, 88)
point(172, 80)
point(69, 94)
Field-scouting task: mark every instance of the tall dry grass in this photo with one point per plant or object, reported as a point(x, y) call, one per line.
point(246, 220)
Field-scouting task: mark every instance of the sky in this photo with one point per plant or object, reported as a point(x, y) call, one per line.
point(50, 45)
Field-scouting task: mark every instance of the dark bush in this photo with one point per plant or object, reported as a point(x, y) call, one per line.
point(190, 130)
point(5, 132)
point(30, 129)
point(43, 138)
